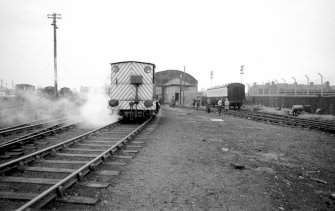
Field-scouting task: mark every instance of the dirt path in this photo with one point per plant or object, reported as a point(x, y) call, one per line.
point(192, 163)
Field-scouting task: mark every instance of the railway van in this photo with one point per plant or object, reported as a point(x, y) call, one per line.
point(132, 89)
point(235, 92)
point(22, 90)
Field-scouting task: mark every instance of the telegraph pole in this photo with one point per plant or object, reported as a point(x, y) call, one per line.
point(184, 87)
point(55, 16)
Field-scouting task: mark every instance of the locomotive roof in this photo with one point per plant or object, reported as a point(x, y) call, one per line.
point(133, 61)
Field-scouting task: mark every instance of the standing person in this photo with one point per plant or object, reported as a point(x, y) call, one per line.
point(193, 103)
point(226, 105)
point(208, 105)
point(219, 106)
point(198, 104)
point(173, 102)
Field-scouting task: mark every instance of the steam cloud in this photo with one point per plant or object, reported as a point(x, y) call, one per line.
point(93, 109)
point(96, 111)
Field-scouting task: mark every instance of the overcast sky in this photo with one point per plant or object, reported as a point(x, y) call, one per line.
point(272, 39)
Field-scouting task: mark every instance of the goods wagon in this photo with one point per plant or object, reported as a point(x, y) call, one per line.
point(235, 92)
point(133, 89)
point(49, 92)
point(65, 92)
point(24, 90)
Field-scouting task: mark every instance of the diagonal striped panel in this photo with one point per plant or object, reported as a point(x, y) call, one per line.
point(122, 90)
point(146, 89)
point(145, 92)
point(139, 70)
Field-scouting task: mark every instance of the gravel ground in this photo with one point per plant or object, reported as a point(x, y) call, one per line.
point(190, 162)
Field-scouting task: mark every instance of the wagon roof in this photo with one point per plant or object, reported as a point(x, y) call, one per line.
point(225, 85)
point(21, 85)
point(134, 62)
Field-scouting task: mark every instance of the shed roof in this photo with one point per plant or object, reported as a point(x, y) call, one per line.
point(165, 76)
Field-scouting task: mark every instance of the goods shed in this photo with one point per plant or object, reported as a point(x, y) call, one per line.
point(177, 84)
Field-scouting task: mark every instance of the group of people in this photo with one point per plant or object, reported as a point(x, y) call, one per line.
point(226, 105)
point(196, 104)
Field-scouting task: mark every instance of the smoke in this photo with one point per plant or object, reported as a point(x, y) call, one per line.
point(91, 107)
point(28, 107)
point(95, 111)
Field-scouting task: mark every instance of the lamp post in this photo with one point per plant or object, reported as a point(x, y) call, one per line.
point(307, 85)
point(295, 86)
point(321, 84)
point(277, 85)
point(263, 87)
point(285, 85)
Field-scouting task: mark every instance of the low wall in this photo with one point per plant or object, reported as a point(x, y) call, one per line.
point(325, 103)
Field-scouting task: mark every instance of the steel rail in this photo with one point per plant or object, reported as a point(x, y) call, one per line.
point(37, 132)
point(29, 123)
point(38, 154)
point(31, 126)
point(300, 121)
point(35, 135)
point(288, 120)
point(323, 125)
point(19, 125)
point(323, 122)
point(59, 188)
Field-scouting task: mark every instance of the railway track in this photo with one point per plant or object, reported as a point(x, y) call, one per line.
point(14, 114)
point(27, 143)
point(8, 130)
point(327, 126)
point(28, 127)
point(35, 179)
point(284, 120)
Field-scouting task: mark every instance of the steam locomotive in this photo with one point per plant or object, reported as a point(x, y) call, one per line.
point(133, 89)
